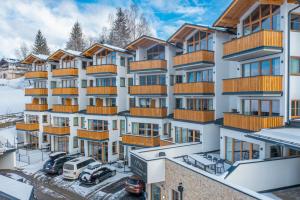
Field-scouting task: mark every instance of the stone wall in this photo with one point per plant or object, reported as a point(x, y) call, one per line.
point(197, 186)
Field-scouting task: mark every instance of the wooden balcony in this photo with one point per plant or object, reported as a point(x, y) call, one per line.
point(166, 142)
point(262, 43)
point(101, 110)
point(251, 122)
point(139, 140)
point(92, 135)
point(194, 115)
point(148, 90)
point(65, 108)
point(148, 65)
point(202, 58)
point(65, 72)
point(253, 85)
point(59, 131)
point(36, 74)
point(101, 69)
point(202, 88)
point(22, 126)
point(36, 107)
point(64, 91)
point(36, 92)
point(148, 112)
point(105, 90)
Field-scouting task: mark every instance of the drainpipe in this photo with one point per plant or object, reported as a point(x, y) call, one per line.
point(289, 60)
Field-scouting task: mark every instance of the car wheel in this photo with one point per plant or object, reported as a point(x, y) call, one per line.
point(97, 181)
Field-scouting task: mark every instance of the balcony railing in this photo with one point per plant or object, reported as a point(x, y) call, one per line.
point(166, 142)
point(195, 88)
point(101, 69)
point(36, 74)
point(65, 108)
point(36, 92)
point(65, 72)
point(251, 122)
point(36, 107)
point(27, 126)
point(59, 131)
point(257, 84)
point(148, 90)
point(148, 112)
point(139, 140)
point(197, 57)
point(266, 41)
point(64, 91)
point(103, 90)
point(101, 110)
point(93, 135)
point(147, 65)
point(194, 115)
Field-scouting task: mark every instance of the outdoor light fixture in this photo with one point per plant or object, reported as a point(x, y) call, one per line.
point(180, 189)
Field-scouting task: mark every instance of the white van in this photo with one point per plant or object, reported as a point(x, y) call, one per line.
point(74, 167)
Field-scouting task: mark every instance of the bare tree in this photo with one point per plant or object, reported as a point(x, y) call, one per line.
point(22, 51)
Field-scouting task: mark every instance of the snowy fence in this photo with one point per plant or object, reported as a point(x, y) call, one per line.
point(31, 156)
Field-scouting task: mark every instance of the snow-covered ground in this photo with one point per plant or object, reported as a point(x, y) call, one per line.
point(12, 95)
point(8, 134)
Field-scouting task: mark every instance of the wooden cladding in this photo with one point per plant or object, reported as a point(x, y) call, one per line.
point(101, 110)
point(65, 91)
point(194, 115)
point(57, 130)
point(148, 112)
point(65, 108)
point(202, 56)
point(260, 84)
point(251, 122)
point(166, 142)
point(103, 90)
point(36, 92)
point(194, 88)
point(27, 126)
point(92, 135)
point(148, 89)
point(101, 69)
point(263, 38)
point(148, 65)
point(37, 74)
point(36, 107)
point(140, 140)
point(65, 72)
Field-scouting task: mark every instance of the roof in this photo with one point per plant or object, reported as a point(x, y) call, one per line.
point(10, 60)
point(285, 136)
point(56, 56)
point(78, 160)
point(95, 47)
point(32, 57)
point(144, 41)
point(187, 28)
point(15, 189)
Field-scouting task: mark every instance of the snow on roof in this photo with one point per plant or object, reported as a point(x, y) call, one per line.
point(41, 56)
point(114, 47)
point(75, 53)
point(15, 188)
point(11, 60)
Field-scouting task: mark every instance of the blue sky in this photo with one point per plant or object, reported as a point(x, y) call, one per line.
point(20, 19)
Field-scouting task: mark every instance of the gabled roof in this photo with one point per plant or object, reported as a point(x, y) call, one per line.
point(95, 47)
point(144, 41)
point(230, 17)
point(60, 53)
point(32, 57)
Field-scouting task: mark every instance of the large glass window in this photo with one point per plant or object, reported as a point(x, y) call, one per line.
point(60, 121)
point(156, 52)
point(200, 76)
point(199, 104)
point(200, 41)
point(261, 107)
point(153, 80)
point(265, 67)
point(97, 125)
point(295, 108)
point(105, 57)
point(183, 135)
point(104, 82)
point(145, 129)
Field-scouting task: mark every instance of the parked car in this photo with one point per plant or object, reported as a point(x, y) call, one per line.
point(73, 168)
point(135, 185)
point(94, 174)
point(56, 166)
point(55, 155)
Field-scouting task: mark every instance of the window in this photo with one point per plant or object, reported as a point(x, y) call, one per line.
point(115, 124)
point(122, 61)
point(175, 195)
point(105, 57)
point(183, 135)
point(156, 52)
point(84, 64)
point(178, 103)
point(61, 121)
point(75, 121)
point(178, 79)
point(200, 76)
point(152, 80)
point(104, 82)
point(45, 118)
point(200, 41)
point(97, 125)
point(295, 66)
point(130, 81)
point(122, 82)
point(114, 148)
point(83, 83)
point(155, 192)
point(199, 104)
point(75, 142)
point(145, 129)
point(261, 107)
point(295, 22)
point(82, 120)
point(265, 67)
point(295, 108)
point(264, 17)
point(122, 127)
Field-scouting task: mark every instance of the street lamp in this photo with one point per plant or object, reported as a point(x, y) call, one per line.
point(180, 189)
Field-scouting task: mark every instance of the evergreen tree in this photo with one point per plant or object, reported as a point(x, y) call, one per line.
point(40, 44)
point(120, 32)
point(76, 41)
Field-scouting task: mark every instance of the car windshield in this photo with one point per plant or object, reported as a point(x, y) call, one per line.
point(68, 167)
point(132, 181)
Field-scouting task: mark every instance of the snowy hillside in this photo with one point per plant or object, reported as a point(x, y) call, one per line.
point(12, 98)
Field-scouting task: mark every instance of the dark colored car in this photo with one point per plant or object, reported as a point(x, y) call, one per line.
point(135, 185)
point(56, 166)
point(97, 175)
